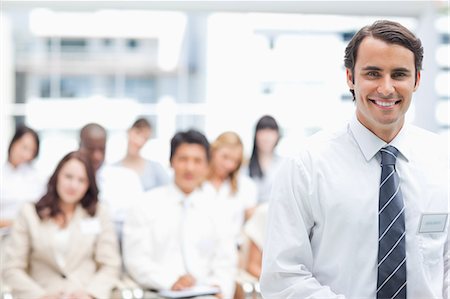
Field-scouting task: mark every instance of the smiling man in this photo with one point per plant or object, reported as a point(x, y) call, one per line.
point(362, 212)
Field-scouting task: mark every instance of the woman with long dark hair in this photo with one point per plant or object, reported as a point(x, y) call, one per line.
point(65, 244)
point(264, 161)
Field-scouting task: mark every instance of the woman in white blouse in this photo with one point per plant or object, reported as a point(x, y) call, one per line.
point(264, 162)
point(20, 181)
point(236, 192)
point(64, 246)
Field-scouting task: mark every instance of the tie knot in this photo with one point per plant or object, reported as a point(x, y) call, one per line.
point(388, 155)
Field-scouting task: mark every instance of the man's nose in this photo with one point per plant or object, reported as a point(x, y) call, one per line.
point(386, 86)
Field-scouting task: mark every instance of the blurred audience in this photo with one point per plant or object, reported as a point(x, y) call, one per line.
point(172, 238)
point(119, 187)
point(20, 181)
point(236, 192)
point(151, 173)
point(64, 246)
point(264, 162)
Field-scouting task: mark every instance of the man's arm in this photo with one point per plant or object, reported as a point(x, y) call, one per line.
point(224, 263)
point(287, 254)
point(138, 247)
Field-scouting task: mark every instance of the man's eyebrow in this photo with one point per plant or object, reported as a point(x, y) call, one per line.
point(402, 69)
point(371, 68)
point(376, 68)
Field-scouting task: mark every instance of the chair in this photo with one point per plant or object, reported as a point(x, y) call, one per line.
point(247, 285)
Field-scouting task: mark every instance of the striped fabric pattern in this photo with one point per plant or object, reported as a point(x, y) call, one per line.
point(391, 281)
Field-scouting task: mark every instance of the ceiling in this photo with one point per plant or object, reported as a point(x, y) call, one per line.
point(361, 8)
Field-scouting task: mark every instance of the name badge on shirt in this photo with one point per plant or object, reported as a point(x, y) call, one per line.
point(90, 226)
point(432, 223)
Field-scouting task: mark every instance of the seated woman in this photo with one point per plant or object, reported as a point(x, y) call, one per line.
point(264, 161)
point(20, 182)
point(151, 173)
point(64, 246)
point(255, 230)
point(236, 192)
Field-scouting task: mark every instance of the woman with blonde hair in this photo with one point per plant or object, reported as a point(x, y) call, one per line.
point(235, 191)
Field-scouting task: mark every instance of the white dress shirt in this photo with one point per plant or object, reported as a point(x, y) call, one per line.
point(119, 188)
point(232, 206)
point(168, 234)
point(322, 238)
point(154, 175)
point(18, 186)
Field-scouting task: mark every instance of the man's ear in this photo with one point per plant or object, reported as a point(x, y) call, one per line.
point(350, 79)
point(416, 85)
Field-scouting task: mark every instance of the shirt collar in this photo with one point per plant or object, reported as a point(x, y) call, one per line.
point(370, 144)
point(190, 199)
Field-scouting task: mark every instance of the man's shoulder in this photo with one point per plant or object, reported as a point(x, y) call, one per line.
point(152, 202)
point(324, 147)
point(116, 170)
point(160, 196)
point(421, 135)
point(158, 192)
point(112, 176)
point(422, 141)
point(326, 140)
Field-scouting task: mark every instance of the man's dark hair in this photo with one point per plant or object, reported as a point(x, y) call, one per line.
point(190, 137)
point(389, 32)
point(91, 129)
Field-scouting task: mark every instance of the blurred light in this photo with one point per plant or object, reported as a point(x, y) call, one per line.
point(442, 84)
point(170, 43)
point(70, 113)
point(443, 55)
point(104, 23)
point(442, 24)
point(166, 108)
point(167, 27)
point(442, 113)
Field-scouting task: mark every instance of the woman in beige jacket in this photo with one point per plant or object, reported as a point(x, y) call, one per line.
point(64, 246)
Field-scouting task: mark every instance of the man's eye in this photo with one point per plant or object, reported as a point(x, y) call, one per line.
point(399, 75)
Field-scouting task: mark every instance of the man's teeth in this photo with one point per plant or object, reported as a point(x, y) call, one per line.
point(385, 104)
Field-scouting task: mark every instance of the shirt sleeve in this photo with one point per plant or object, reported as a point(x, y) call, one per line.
point(224, 264)
point(137, 252)
point(17, 255)
point(287, 255)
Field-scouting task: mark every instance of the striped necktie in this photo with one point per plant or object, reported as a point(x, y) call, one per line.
point(391, 281)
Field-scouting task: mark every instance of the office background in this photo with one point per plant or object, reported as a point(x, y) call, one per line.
point(210, 65)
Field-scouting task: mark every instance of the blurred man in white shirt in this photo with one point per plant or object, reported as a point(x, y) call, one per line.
point(119, 187)
point(172, 240)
